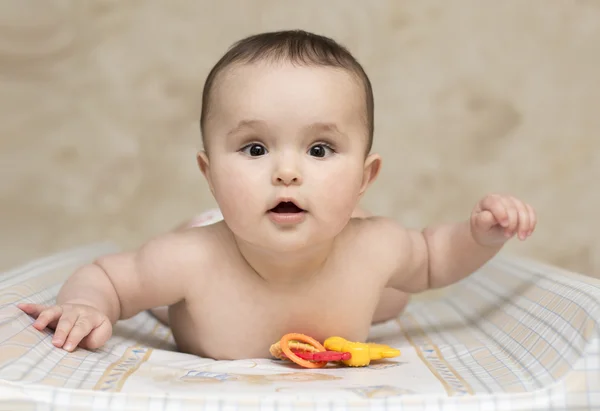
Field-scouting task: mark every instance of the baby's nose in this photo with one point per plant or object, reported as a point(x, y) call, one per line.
point(287, 181)
point(287, 175)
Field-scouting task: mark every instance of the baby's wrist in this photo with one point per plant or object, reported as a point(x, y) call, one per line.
point(487, 241)
point(75, 301)
point(80, 301)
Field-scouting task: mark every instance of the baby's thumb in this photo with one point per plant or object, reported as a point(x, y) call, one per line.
point(485, 220)
point(98, 336)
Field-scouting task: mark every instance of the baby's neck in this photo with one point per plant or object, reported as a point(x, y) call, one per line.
point(286, 268)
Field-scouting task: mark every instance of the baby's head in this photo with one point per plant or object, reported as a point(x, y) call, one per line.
point(287, 117)
point(295, 47)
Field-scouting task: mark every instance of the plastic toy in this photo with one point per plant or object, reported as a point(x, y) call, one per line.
point(309, 353)
point(323, 355)
point(361, 353)
point(299, 342)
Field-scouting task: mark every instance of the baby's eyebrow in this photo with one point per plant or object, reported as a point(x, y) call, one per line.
point(314, 127)
point(246, 124)
point(328, 127)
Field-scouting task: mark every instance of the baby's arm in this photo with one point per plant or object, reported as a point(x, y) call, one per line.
point(117, 287)
point(122, 285)
point(445, 254)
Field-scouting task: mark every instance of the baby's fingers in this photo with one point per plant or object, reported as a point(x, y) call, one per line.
point(497, 207)
point(48, 317)
point(64, 327)
point(83, 326)
point(523, 223)
point(484, 220)
point(532, 219)
point(98, 336)
point(31, 309)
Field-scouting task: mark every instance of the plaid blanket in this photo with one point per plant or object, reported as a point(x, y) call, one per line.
point(516, 335)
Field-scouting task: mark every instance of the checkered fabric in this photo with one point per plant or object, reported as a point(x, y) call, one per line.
point(516, 335)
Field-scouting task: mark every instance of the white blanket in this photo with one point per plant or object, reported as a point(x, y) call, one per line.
point(517, 335)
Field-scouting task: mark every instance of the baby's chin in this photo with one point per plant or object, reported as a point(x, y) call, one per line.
point(287, 241)
point(287, 244)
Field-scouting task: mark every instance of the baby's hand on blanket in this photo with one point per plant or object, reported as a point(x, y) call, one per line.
point(74, 324)
point(497, 218)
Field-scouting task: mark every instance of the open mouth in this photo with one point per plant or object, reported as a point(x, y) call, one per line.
point(286, 207)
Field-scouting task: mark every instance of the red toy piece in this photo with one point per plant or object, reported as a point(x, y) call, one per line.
point(323, 355)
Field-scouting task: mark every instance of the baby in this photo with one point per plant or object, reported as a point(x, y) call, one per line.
point(287, 127)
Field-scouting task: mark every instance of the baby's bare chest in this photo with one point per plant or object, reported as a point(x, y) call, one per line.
point(240, 319)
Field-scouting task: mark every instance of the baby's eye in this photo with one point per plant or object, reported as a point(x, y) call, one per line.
point(254, 150)
point(320, 150)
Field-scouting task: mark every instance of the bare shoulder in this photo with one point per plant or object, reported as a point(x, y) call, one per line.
point(381, 235)
point(160, 271)
point(185, 250)
point(400, 252)
point(176, 247)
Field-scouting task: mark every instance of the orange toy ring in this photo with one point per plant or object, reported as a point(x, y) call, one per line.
point(293, 357)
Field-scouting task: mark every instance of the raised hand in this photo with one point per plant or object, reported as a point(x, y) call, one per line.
point(497, 218)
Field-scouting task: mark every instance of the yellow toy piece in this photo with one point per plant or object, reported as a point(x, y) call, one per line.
point(361, 353)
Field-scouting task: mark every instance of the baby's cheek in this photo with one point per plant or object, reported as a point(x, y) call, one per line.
point(238, 193)
point(341, 190)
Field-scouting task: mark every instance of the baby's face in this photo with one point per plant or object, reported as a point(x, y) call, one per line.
point(283, 133)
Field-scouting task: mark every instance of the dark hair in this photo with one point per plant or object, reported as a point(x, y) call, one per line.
point(296, 46)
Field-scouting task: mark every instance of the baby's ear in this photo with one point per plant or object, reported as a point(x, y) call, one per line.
point(204, 166)
point(371, 171)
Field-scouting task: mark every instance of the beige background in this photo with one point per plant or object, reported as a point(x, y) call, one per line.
point(99, 107)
